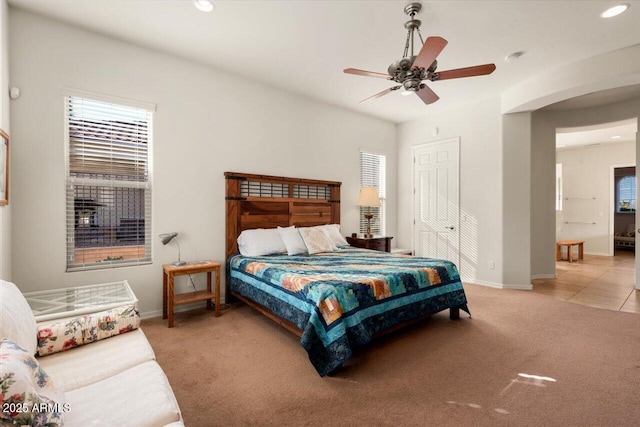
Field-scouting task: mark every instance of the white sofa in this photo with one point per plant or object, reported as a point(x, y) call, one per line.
point(111, 382)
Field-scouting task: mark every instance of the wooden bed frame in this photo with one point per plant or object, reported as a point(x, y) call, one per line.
point(263, 201)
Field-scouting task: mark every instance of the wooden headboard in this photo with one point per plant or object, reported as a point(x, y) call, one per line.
point(263, 201)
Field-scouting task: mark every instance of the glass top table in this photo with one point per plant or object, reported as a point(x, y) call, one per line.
point(58, 303)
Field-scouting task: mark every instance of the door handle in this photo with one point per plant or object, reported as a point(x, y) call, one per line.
point(451, 227)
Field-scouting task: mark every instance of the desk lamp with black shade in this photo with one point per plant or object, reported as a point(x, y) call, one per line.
point(168, 237)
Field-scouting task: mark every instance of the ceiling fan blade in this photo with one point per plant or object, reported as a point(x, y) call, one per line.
point(365, 73)
point(427, 95)
point(379, 94)
point(478, 70)
point(430, 50)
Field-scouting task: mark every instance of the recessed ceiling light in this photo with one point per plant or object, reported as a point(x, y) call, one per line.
point(615, 137)
point(203, 5)
point(614, 11)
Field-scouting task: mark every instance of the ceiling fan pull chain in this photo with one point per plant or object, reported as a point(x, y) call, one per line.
point(420, 34)
point(411, 32)
point(406, 45)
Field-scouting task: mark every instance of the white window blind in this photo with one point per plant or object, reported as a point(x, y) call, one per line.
point(373, 174)
point(108, 184)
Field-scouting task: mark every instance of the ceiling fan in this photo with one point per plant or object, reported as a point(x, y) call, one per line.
point(411, 70)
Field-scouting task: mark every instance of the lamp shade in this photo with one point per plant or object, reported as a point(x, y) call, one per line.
point(368, 197)
point(167, 237)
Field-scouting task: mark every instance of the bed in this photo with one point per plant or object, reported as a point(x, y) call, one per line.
point(334, 301)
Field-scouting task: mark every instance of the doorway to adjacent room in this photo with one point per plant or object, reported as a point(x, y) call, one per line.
point(596, 203)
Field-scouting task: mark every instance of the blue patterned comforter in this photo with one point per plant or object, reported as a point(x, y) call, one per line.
point(341, 299)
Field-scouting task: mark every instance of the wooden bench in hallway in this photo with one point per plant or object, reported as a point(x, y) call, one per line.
point(569, 244)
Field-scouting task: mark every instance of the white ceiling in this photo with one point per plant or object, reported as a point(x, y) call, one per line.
point(625, 130)
point(604, 97)
point(597, 135)
point(303, 46)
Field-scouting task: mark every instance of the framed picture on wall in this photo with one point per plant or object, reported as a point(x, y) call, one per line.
point(4, 168)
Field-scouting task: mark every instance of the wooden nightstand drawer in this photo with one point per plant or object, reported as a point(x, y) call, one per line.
point(376, 243)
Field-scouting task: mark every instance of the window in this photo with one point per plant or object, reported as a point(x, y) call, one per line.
point(372, 174)
point(626, 194)
point(108, 184)
point(558, 186)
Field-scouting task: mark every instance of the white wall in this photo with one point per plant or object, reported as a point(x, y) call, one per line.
point(479, 129)
point(544, 124)
point(516, 201)
point(586, 172)
point(207, 122)
point(543, 190)
point(5, 211)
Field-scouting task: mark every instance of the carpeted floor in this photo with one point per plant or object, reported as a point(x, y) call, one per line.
point(243, 369)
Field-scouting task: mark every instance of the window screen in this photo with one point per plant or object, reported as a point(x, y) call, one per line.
point(108, 184)
point(372, 174)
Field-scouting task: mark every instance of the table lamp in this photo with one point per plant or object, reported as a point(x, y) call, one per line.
point(166, 238)
point(368, 198)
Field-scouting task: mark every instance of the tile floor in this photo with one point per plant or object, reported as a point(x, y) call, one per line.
point(597, 281)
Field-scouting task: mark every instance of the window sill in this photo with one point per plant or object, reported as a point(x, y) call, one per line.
point(105, 265)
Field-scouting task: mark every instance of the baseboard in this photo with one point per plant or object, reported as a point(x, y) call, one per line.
point(502, 286)
point(177, 309)
point(488, 284)
point(597, 254)
point(150, 314)
point(543, 276)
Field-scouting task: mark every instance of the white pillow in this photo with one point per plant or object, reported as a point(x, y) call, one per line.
point(17, 322)
point(333, 232)
point(260, 241)
point(316, 240)
point(292, 240)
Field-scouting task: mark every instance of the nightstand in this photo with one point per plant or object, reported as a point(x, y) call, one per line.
point(170, 299)
point(375, 243)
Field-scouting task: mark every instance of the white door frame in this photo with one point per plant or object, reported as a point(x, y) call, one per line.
point(612, 203)
point(637, 225)
point(413, 195)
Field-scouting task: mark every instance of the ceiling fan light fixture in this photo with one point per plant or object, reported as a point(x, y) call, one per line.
point(412, 84)
point(615, 10)
point(411, 70)
point(203, 5)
